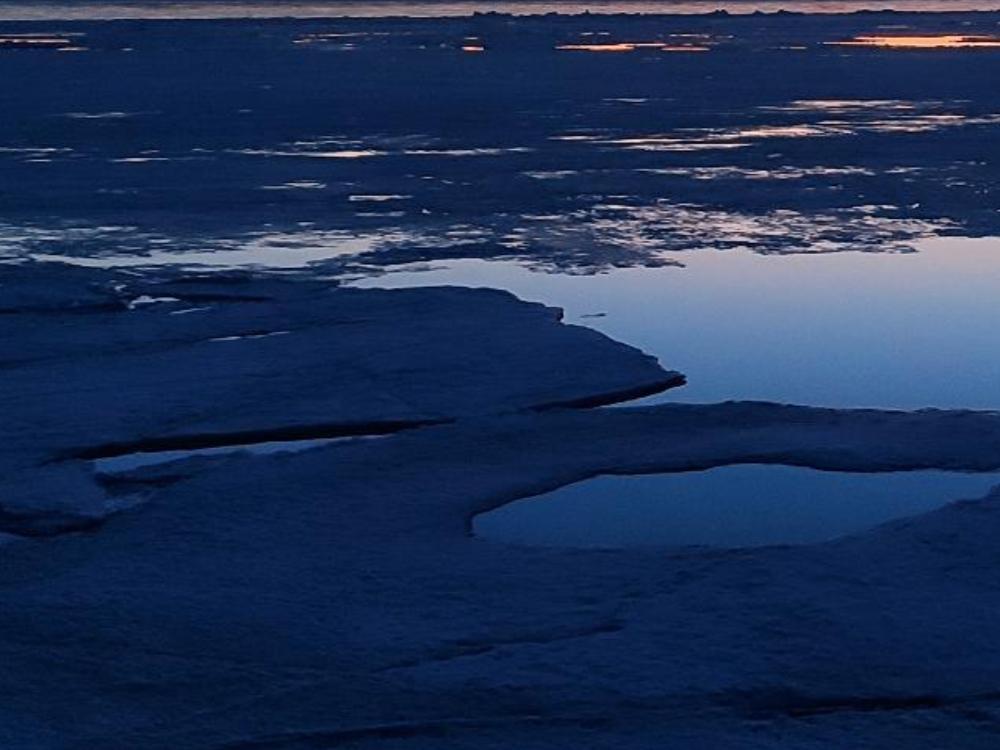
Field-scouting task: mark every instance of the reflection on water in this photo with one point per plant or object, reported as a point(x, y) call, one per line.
point(904, 330)
point(854, 118)
point(848, 106)
point(657, 142)
point(35, 41)
point(732, 506)
point(601, 237)
point(650, 230)
point(338, 154)
point(360, 198)
point(631, 47)
point(778, 173)
point(339, 40)
point(272, 250)
point(296, 185)
point(941, 41)
point(309, 151)
point(609, 47)
point(100, 115)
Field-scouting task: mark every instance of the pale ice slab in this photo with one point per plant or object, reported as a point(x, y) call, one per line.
point(87, 373)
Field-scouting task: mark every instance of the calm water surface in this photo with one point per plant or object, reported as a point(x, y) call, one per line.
point(732, 506)
point(896, 330)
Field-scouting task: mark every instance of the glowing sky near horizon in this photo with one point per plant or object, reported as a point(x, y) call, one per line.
point(11, 10)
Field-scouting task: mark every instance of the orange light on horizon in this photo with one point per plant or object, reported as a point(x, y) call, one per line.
point(473, 48)
point(938, 41)
point(631, 47)
point(608, 47)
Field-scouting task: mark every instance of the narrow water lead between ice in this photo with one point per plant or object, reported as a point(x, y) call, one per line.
point(140, 459)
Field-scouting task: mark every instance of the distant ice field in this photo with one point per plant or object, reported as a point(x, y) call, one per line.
point(789, 207)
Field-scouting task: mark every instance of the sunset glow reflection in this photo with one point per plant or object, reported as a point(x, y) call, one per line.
point(940, 41)
point(632, 47)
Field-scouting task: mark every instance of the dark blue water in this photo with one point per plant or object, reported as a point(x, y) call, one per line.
point(734, 506)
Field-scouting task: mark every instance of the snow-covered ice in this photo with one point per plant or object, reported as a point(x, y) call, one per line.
point(106, 377)
point(337, 597)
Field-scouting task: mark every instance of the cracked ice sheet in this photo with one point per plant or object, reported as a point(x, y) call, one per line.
point(317, 598)
point(99, 376)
